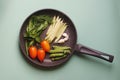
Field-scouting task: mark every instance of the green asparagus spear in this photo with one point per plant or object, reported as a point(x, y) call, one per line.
point(58, 58)
point(56, 51)
point(56, 55)
point(59, 52)
point(66, 51)
point(61, 47)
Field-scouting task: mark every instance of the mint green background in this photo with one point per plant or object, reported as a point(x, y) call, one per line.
point(98, 26)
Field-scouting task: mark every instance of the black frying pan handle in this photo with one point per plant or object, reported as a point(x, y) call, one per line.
point(86, 50)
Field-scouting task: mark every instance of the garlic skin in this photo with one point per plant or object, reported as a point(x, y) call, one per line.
point(65, 34)
point(66, 37)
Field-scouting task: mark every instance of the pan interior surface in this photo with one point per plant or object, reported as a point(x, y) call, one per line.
point(71, 31)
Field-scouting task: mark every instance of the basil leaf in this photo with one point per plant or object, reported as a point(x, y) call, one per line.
point(37, 39)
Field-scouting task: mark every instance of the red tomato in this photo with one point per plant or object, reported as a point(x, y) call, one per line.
point(41, 54)
point(33, 52)
point(45, 45)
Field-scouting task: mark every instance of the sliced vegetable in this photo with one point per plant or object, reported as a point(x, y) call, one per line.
point(56, 29)
point(51, 26)
point(60, 32)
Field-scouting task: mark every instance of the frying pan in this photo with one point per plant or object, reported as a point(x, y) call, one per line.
point(72, 42)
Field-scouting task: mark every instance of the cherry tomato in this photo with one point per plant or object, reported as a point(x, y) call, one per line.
point(45, 45)
point(41, 54)
point(33, 52)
